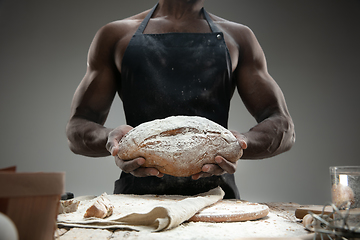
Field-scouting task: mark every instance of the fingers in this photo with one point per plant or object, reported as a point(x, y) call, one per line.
point(209, 170)
point(129, 166)
point(200, 175)
point(146, 172)
point(114, 137)
point(112, 147)
point(222, 166)
point(112, 144)
point(241, 138)
point(243, 144)
point(225, 165)
point(135, 167)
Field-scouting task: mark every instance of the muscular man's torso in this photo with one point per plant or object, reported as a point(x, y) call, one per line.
point(174, 67)
point(123, 30)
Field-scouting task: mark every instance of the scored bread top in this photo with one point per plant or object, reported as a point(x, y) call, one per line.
point(179, 145)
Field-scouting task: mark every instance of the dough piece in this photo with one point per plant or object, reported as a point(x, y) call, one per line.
point(101, 208)
point(68, 206)
point(179, 145)
point(231, 211)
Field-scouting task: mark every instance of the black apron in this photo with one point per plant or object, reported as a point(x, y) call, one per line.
point(176, 74)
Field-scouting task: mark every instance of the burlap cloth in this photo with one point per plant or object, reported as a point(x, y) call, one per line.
point(142, 212)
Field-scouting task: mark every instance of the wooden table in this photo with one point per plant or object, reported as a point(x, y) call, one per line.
point(279, 224)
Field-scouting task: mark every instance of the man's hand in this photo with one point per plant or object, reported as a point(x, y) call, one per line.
point(222, 165)
point(114, 138)
point(134, 167)
point(241, 139)
point(129, 166)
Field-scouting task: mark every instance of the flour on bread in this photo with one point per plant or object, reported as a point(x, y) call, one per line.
point(179, 145)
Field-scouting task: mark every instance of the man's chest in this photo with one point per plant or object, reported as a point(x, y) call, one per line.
point(161, 28)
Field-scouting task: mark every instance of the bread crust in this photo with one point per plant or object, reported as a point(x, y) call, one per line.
point(101, 208)
point(179, 145)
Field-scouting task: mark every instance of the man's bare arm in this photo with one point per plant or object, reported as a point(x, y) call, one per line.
point(264, 99)
point(93, 98)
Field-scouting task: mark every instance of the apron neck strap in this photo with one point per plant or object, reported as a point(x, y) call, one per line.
point(212, 25)
point(144, 23)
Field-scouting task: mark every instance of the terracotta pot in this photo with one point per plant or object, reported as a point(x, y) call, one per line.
point(31, 201)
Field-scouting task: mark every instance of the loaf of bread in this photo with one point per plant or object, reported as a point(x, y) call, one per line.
point(179, 145)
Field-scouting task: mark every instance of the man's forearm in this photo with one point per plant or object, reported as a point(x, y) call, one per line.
point(270, 137)
point(87, 138)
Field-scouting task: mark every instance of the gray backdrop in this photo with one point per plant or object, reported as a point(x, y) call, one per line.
point(312, 49)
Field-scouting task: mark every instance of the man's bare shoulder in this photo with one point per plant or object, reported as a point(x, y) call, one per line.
point(123, 27)
point(126, 24)
point(238, 31)
point(113, 33)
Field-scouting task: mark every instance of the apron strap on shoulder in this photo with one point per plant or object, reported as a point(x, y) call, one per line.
point(212, 25)
point(143, 24)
